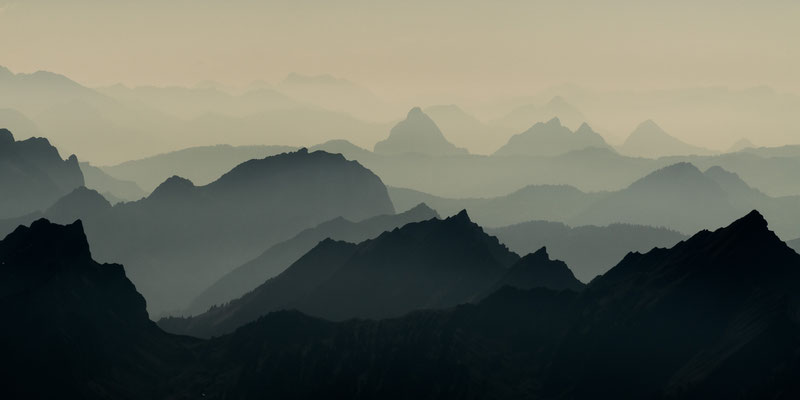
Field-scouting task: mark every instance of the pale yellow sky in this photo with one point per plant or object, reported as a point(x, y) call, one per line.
point(402, 49)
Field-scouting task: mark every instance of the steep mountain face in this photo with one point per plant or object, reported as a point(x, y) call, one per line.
point(280, 256)
point(551, 139)
point(649, 140)
point(75, 328)
point(430, 264)
point(715, 314)
point(182, 238)
point(588, 250)
point(417, 134)
point(33, 175)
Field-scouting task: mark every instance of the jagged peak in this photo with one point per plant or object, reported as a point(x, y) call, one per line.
point(541, 253)
point(46, 240)
point(753, 222)
point(461, 217)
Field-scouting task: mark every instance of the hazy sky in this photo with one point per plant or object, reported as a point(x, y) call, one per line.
point(400, 48)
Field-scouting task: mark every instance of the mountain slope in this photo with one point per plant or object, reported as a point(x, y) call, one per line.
point(537, 270)
point(430, 264)
point(417, 134)
point(33, 175)
point(280, 256)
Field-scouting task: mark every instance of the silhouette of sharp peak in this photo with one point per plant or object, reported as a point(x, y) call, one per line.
point(46, 240)
point(541, 253)
point(461, 217)
point(753, 222)
point(6, 137)
point(585, 128)
point(422, 208)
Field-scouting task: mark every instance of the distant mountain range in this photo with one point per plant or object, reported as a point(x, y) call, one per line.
point(649, 140)
point(182, 238)
point(33, 175)
point(552, 139)
point(713, 315)
point(679, 197)
point(417, 134)
point(522, 117)
point(466, 131)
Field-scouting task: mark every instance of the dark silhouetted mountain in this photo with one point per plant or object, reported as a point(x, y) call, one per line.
point(430, 264)
point(537, 270)
point(280, 256)
point(75, 328)
point(713, 316)
point(649, 140)
point(795, 244)
point(524, 116)
point(551, 139)
point(417, 134)
point(466, 131)
point(588, 250)
point(113, 189)
point(33, 175)
point(201, 165)
point(183, 238)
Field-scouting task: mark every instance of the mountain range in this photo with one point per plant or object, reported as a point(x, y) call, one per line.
point(182, 238)
point(713, 315)
point(551, 139)
point(429, 264)
point(277, 258)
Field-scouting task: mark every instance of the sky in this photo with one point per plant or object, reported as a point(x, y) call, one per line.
point(469, 49)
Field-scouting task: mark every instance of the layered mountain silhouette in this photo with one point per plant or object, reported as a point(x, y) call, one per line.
point(417, 134)
point(113, 189)
point(551, 139)
point(649, 140)
point(280, 256)
point(33, 175)
point(430, 264)
point(713, 316)
point(588, 250)
point(182, 238)
point(679, 197)
point(75, 328)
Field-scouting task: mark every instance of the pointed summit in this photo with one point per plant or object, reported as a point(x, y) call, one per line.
point(538, 270)
point(417, 134)
point(649, 140)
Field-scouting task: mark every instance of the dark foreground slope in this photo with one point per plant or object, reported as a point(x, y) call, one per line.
point(713, 317)
point(74, 328)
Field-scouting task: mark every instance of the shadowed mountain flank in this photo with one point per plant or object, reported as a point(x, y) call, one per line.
point(33, 175)
point(280, 256)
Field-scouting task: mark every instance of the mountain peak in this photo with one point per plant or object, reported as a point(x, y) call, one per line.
point(44, 240)
point(553, 122)
point(418, 133)
point(174, 185)
point(752, 222)
point(415, 112)
point(461, 217)
point(541, 253)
